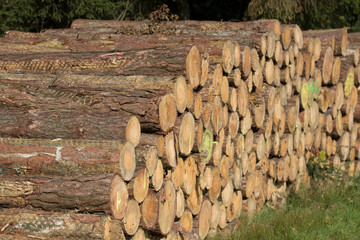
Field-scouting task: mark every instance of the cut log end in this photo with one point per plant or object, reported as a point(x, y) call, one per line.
point(132, 217)
point(228, 56)
point(133, 131)
point(127, 161)
point(181, 94)
point(187, 134)
point(167, 209)
point(167, 112)
point(118, 197)
point(193, 67)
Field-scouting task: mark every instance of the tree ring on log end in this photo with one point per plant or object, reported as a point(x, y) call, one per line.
point(118, 197)
point(127, 161)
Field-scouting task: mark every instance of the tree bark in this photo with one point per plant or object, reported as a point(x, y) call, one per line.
point(58, 157)
point(29, 224)
point(36, 106)
point(87, 193)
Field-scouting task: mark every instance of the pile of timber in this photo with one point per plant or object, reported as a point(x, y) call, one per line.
point(116, 129)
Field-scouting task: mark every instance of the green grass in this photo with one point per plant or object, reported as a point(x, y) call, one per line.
point(322, 212)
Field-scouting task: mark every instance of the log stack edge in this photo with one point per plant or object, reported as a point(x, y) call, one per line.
point(117, 129)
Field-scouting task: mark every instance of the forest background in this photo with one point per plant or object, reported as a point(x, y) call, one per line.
point(36, 15)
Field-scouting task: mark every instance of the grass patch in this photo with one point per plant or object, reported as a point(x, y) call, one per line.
point(326, 211)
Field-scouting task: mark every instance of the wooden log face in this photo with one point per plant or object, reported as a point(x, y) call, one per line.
point(246, 61)
point(170, 149)
point(228, 56)
point(141, 185)
point(216, 115)
point(150, 211)
point(194, 201)
point(349, 82)
point(131, 219)
point(127, 161)
point(193, 70)
point(217, 79)
point(189, 175)
point(215, 188)
point(204, 219)
point(187, 220)
point(187, 134)
point(151, 160)
point(158, 176)
point(167, 208)
point(167, 112)
point(204, 70)
point(177, 175)
point(327, 65)
point(133, 131)
point(118, 197)
point(181, 94)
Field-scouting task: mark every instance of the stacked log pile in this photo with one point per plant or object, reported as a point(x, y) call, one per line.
point(170, 129)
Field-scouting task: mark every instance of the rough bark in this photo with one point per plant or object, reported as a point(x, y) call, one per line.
point(36, 106)
point(29, 224)
point(87, 193)
point(60, 157)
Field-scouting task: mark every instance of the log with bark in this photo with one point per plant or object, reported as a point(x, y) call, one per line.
point(84, 193)
point(32, 224)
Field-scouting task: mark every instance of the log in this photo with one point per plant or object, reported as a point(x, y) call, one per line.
point(61, 157)
point(193, 67)
point(139, 186)
point(158, 176)
point(132, 217)
point(177, 174)
point(152, 62)
point(133, 131)
point(227, 193)
point(29, 224)
point(118, 197)
point(248, 185)
point(139, 235)
point(75, 107)
point(215, 215)
point(181, 94)
point(187, 134)
point(179, 27)
point(190, 172)
point(87, 193)
point(201, 224)
point(167, 208)
point(127, 161)
point(151, 160)
point(337, 39)
point(215, 189)
point(222, 221)
point(170, 150)
point(234, 211)
point(150, 210)
point(180, 203)
point(104, 56)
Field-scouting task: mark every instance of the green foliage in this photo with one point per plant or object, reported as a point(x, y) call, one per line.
point(319, 168)
point(35, 15)
point(283, 10)
point(309, 14)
